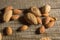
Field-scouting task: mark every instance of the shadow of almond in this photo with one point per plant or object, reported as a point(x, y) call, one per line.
point(4, 31)
point(37, 31)
point(26, 11)
point(1, 15)
point(23, 21)
point(18, 30)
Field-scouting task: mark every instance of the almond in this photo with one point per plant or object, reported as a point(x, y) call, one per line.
point(50, 24)
point(23, 28)
point(0, 36)
point(8, 13)
point(15, 17)
point(46, 20)
point(42, 29)
point(46, 9)
point(17, 11)
point(35, 11)
point(9, 31)
point(53, 18)
point(31, 18)
point(39, 20)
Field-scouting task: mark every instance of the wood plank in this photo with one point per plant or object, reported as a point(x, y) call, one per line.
point(27, 3)
point(29, 34)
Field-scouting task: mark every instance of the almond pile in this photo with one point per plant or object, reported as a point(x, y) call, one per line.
point(34, 16)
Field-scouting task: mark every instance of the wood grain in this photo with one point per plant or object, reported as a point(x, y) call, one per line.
point(53, 33)
point(22, 4)
point(30, 34)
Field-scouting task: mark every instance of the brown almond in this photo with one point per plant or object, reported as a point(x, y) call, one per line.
point(7, 15)
point(53, 18)
point(35, 11)
point(23, 28)
point(50, 24)
point(31, 18)
point(9, 31)
point(46, 9)
point(39, 20)
point(15, 17)
point(0, 36)
point(42, 29)
point(46, 20)
point(17, 11)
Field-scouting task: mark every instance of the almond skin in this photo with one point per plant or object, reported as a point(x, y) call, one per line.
point(17, 11)
point(9, 31)
point(0, 36)
point(23, 28)
point(7, 15)
point(15, 17)
point(42, 29)
point(39, 20)
point(31, 18)
point(35, 11)
point(50, 24)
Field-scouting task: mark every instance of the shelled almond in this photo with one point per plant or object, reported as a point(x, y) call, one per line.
point(23, 28)
point(7, 14)
point(46, 20)
point(36, 11)
point(17, 11)
point(9, 30)
point(15, 17)
point(46, 8)
point(31, 18)
point(42, 29)
point(50, 24)
point(39, 20)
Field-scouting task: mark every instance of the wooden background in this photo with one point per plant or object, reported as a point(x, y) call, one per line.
point(53, 33)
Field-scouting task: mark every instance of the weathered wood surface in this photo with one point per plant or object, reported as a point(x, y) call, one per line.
point(27, 3)
point(29, 34)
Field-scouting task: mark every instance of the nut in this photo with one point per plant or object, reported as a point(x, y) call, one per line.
point(45, 38)
point(8, 13)
point(35, 11)
point(17, 11)
point(46, 20)
point(39, 20)
point(50, 24)
point(42, 29)
point(15, 17)
point(31, 18)
point(46, 9)
point(23, 28)
point(53, 18)
point(9, 31)
point(0, 36)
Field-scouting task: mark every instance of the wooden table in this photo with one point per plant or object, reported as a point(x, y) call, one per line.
point(53, 33)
